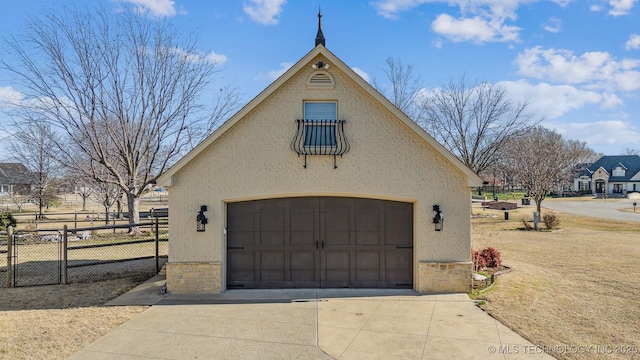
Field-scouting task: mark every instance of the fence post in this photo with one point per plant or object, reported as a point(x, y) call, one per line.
point(157, 246)
point(75, 219)
point(64, 254)
point(9, 256)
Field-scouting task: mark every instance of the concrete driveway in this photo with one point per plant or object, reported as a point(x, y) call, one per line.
point(307, 324)
point(595, 208)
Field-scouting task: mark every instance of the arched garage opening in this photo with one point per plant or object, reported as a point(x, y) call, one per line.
point(319, 242)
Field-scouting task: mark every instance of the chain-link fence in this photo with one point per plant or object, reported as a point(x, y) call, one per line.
point(88, 254)
point(3, 260)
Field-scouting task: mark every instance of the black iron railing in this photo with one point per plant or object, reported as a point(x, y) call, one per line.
point(320, 137)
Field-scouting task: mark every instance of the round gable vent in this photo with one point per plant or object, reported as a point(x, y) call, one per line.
point(320, 80)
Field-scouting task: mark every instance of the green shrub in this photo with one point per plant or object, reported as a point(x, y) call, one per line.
point(6, 220)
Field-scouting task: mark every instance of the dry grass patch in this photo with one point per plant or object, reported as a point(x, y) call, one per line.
point(577, 286)
point(53, 322)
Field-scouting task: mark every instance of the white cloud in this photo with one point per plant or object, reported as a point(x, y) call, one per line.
point(553, 101)
point(157, 8)
point(633, 43)
point(553, 25)
point(616, 7)
point(480, 20)
point(274, 74)
point(390, 8)
point(474, 29)
point(563, 3)
point(265, 12)
point(9, 97)
point(199, 57)
point(215, 58)
point(592, 69)
point(362, 74)
point(601, 134)
point(620, 7)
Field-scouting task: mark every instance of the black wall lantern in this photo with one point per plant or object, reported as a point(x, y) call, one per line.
point(438, 219)
point(201, 220)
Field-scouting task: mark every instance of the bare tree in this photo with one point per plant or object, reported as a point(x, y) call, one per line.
point(83, 186)
point(474, 120)
point(19, 199)
point(34, 147)
point(85, 191)
point(107, 194)
point(630, 151)
point(405, 87)
point(542, 159)
point(225, 103)
point(123, 89)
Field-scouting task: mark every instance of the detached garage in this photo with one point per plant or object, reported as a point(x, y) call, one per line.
point(319, 182)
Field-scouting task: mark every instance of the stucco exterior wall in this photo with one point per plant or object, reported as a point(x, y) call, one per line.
point(253, 160)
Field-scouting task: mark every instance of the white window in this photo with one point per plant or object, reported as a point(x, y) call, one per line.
point(320, 124)
point(619, 171)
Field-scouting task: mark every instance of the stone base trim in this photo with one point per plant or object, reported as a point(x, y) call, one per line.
point(445, 277)
point(194, 278)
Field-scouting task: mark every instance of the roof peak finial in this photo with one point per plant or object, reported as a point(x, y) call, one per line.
point(320, 36)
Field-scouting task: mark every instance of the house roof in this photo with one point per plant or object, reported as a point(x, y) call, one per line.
point(14, 173)
point(473, 180)
point(631, 163)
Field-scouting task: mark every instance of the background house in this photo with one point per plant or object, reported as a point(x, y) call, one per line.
point(14, 178)
point(319, 182)
point(617, 175)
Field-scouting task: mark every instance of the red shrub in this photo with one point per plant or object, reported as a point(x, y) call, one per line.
point(478, 262)
point(488, 257)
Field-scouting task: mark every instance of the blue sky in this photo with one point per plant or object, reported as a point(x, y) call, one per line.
point(576, 61)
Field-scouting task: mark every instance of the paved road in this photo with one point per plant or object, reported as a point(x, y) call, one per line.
point(596, 208)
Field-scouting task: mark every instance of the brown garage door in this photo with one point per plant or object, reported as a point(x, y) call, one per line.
point(311, 242)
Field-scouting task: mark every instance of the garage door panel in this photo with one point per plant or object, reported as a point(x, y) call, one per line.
point(367, 238)
point(241, 239)
point(399, 266)
point(335, 204)
point(338, 260)
point(337, 221)
point(240, 221)
point(272, 221)
point(272, 266)
point(272, 238)
point(241, 207)
point(368, 265)
point(304, 204)
point(303, 221)
point(300, 238)
point(336, 238)
point(368, 222)
point(241, 266)
point(336, 275)
point(398, 216)
point(400, 238)
point(304, 265)
point(368, 214)
point(304, 260)
point(270, 205)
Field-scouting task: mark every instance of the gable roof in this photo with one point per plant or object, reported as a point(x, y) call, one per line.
point(631, 163)
point(14, 174)
point(473, 180)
